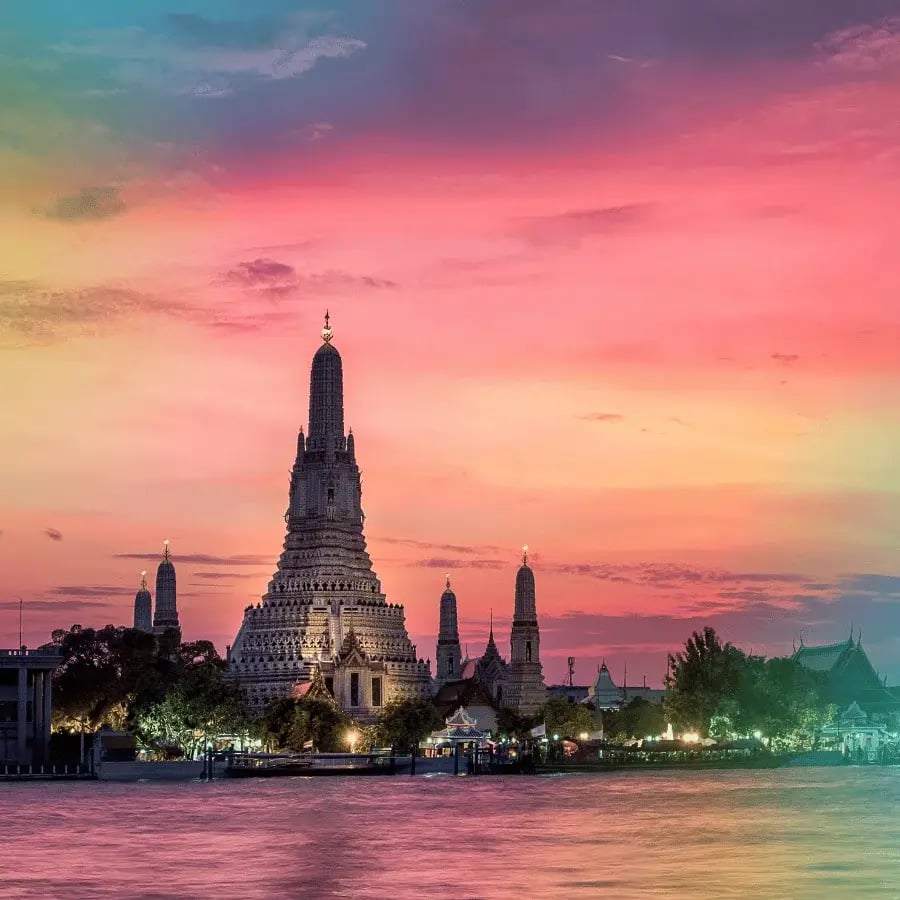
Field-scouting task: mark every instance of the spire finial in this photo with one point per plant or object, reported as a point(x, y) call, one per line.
point(492, 624)
point(166, 548)
point(144, 580)
point(327, 332)
point(447, 576)
point(525, 555)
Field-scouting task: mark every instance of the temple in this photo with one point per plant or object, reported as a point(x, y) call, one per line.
point(449, 658)
point(324, 608)
point(166, 614)
point(851, 678)
point(517, 684)
point(526, 691)
point(143, 607)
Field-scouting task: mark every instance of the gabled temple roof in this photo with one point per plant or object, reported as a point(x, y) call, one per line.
point(825, 657)
point(465, 692)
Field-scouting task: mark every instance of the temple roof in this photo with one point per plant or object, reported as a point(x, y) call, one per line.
point(825, 657)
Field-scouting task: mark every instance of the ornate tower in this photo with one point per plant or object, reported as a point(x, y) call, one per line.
point(143, 607)
point(166, 615)
point(526, 689)
point(449, 658)
point(324, 606)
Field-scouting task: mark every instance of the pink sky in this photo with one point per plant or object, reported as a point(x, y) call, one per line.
point(636, 309)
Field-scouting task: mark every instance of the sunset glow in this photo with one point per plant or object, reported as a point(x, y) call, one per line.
point(629, 292)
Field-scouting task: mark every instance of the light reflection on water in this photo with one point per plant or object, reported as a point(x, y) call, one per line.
point(787, 834)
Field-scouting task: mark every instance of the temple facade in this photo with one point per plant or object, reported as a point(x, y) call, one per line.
point(324, 608)
point(165, 615)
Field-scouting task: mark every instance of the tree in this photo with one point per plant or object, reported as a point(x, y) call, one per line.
point(637, 719)
point(404, 723)
point(198, 704)
point(514, 724)
point(101, 674)
point(567, 719)
point(289, 724)
point(700, 678)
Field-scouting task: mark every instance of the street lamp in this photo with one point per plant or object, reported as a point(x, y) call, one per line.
point(352, 738)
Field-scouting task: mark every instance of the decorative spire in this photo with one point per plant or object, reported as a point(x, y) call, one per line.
point(525, 555)
point(144, 580)
point(327, 331)
point(491, 635)
point(166, 548)
point(448, 581)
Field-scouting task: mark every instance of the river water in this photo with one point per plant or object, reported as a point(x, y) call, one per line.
point(792, 833)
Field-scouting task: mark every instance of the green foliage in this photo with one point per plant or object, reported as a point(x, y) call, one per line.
point(166, 692)
point(404, 723)
point(567, 719)
point(637, 719)
point(103, 673)
point(512, 723)
point(718, 690)
point(288, 724)
point(700, 678)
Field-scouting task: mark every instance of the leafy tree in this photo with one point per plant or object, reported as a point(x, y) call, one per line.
point(289, 724)
point(101, 674)
point(199, 703)
point(567, 719)
point(637, 719)
point(700, 678)
point(513, 723)
point(404, 723)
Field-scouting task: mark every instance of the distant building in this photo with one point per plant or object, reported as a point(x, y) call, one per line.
point(26, 690)
point(517, 684)
point(166, 614)
point(606, 694)
point(574, 693)
point(850, 677)
point(526, 691)
point(449, 658)
point(143, 607)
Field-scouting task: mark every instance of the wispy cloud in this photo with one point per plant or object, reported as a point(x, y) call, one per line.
point(603, 417)
point(866, 48)
point(203, 559)
point(576, 225)
point(92, 590)
point(88, 204)
point(54, 534)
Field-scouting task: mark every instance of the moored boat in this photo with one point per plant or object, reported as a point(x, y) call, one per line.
point(313, 765)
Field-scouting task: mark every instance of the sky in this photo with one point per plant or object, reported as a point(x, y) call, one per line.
point(619, 281)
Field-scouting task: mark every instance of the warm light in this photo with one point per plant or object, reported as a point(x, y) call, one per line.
point(690, 737)
point(757, 734)
point(143, 572)
point(583, 736)
point(352, 738)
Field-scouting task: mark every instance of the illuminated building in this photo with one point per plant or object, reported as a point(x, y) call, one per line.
point(324, 607)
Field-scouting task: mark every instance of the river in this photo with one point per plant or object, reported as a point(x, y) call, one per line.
point(791, 833)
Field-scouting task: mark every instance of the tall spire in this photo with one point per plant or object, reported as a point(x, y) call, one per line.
point(144, 580)
point(326, 395)
point(525, 555)
point(166, 613)
point(449, 659)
